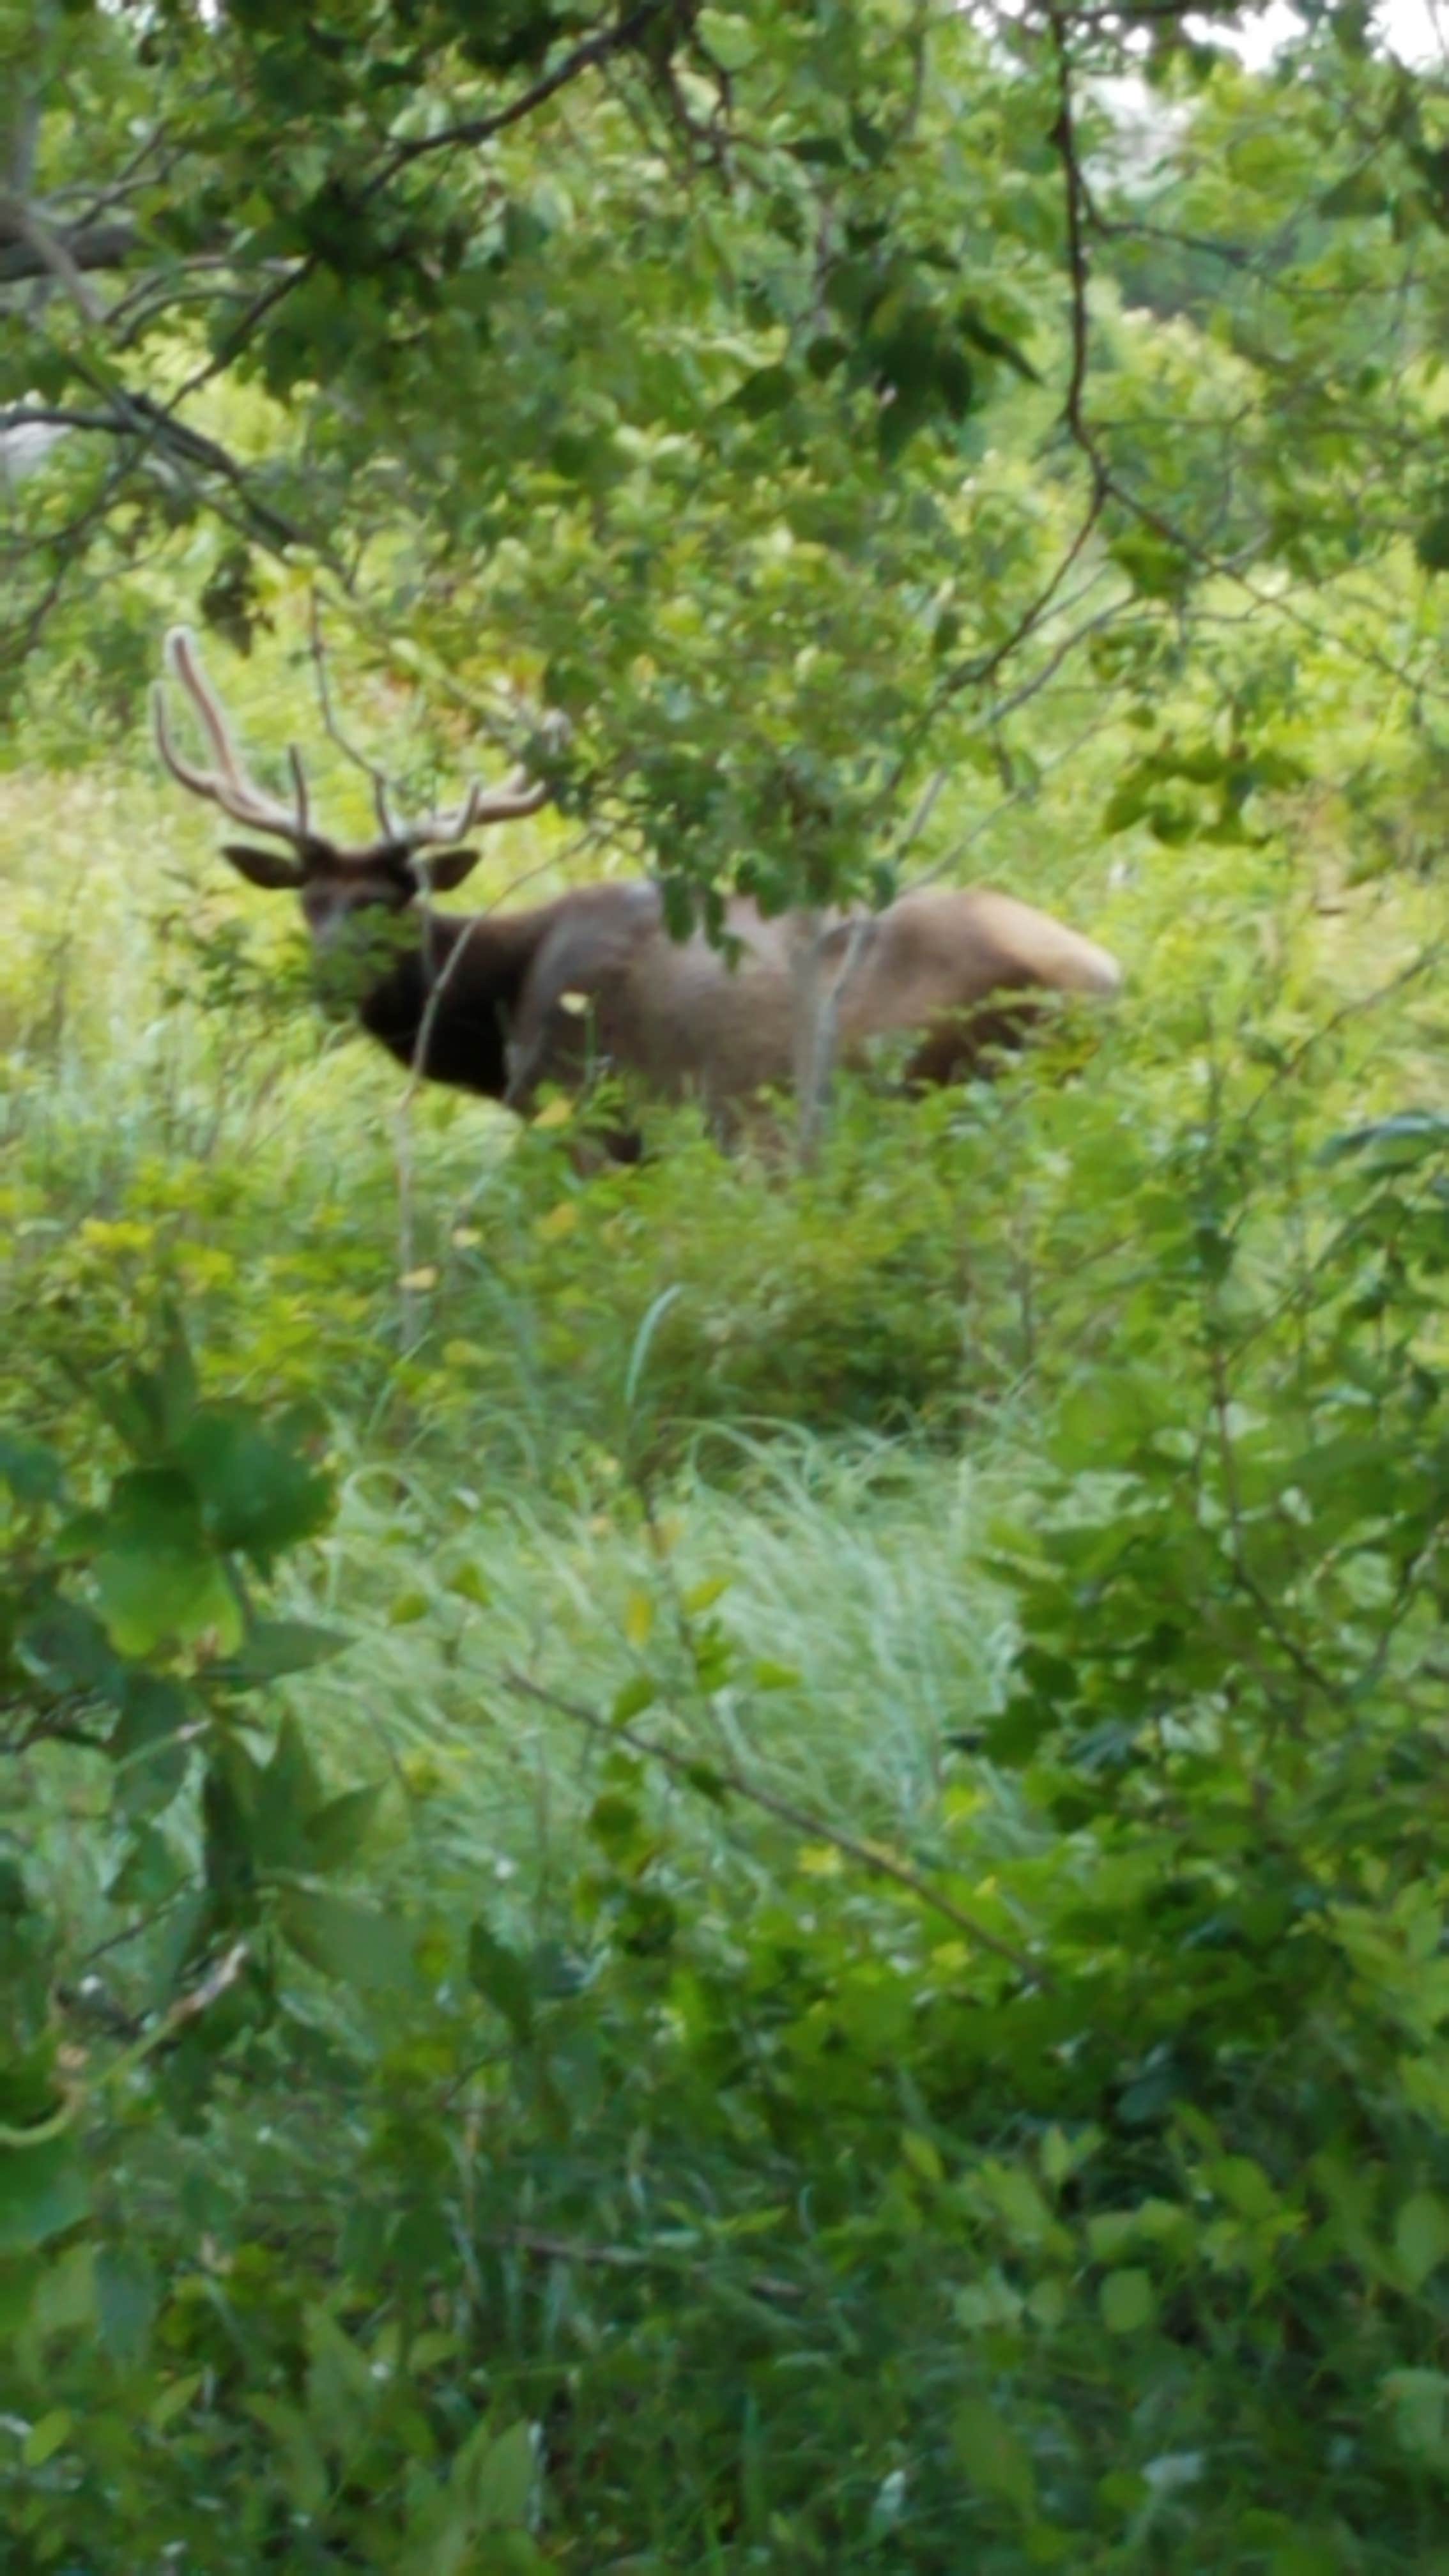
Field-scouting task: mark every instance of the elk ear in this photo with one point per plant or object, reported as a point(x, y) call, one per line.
point(262, 867)
point(444, 869)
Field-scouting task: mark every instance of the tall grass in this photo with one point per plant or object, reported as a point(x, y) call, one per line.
point(813, 1391)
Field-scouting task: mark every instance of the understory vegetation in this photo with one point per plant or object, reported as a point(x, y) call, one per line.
point(715, 1868)
point(736, 1864)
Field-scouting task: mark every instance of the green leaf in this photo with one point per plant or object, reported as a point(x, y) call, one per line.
point(300, 2465)
point(1156, 568)
point(500, 2482)
point(20, 2278)
point(67, 1644)
point(32, 1472)
point(173, 1384)
point(47, 2437)
point(1409, 1137)
point(1421, 2236)
point(703, 1596)
point(154, 1708)
point(994, 2458)
point(151, 1871)
point(825, 353)
point(1431, 541)
point(635, 1695)
point(501, 1977)
point(992, 343)
point(730, 40)
point(127, 2297)
point(258, 1493)
point(43, 2191)
point(1420, 2400)
point(342, 2393)
point(1128, 2301)
point(956, 381)
point(157, 1579)
point(271, 1648)
point(1361, 193)
point(346, 1940)
point(769, 389)
point(338, 1831)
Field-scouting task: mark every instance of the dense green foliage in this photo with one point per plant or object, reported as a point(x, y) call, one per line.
point(716, 1867)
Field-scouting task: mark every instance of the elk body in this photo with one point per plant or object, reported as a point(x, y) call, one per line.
point(503, 1003)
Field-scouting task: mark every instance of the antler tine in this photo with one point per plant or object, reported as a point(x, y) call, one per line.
point(519, 794)
point(185, 661)
point(299, 788)
point(228, 785)
point(199, 781)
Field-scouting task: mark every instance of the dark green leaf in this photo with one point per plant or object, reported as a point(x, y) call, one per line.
point(32, 1472)
point(43, 2191)
point(273, 1648)
point(259, 1494)
point(769, 389)
point(346, 1940)
point(501, 1977)
point(127, 2297)
point(338, 1831)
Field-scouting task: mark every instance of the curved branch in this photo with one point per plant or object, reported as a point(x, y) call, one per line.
point(64, 254)
point(587, 56)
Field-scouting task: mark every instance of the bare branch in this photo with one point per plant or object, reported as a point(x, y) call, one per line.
point(48, 254)
point(593, 51)
point(27, 250)
point(816, 1829)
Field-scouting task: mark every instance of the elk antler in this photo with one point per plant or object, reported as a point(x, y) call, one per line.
point(228, 784)
point(239, 797)
point(519, 794)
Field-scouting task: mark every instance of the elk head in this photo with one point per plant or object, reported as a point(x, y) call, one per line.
point(336, 883)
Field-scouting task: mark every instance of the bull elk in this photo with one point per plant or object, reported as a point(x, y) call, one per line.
point(501, 1004)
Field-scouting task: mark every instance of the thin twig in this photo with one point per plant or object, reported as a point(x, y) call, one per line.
point(724, 1776)
point(594, 50)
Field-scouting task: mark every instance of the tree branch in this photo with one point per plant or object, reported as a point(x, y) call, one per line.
point(47, 254)
point(724, 1776)
point(593, 51)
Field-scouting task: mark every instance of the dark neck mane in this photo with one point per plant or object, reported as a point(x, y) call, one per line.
point(474, 997)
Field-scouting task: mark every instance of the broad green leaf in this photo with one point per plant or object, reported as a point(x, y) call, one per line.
point(1128, 2301)
point(347, 1940)
point(32, 1472)
point(272, 1648)
point(43, 2191)
point(63, 1642)
point(1420, 2403)
point(337, 1832)
point(994, 2458)
point(127, 2297)
point(631, 1700)
point(729, 38)
point(501, 1977)
point(157, 1579)
point(258, 1493)
point(301, 2461)
point(1431, 541)
point(500, 2481)
point(47, 2437)
point(768, 390)
point(1421, 2236)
